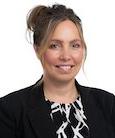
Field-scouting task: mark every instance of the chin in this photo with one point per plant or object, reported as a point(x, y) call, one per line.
point(64, 78)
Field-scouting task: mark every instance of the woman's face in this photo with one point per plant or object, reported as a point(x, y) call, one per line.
point(63, 59)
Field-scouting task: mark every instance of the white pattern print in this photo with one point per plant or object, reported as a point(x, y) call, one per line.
point(69, 120)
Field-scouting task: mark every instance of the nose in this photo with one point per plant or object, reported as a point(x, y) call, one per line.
point(65, 54)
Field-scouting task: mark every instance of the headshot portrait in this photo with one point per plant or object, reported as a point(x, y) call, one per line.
point(58, 78)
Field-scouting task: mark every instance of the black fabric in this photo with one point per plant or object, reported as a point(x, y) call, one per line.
point(25, 113)
point(69, 119)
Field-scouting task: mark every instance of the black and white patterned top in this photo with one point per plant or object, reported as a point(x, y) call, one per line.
point(69, 120)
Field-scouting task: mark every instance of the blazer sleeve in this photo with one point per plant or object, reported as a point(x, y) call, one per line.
point(113, 113)
point(7, 121)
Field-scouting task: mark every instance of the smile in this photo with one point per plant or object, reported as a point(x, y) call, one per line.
point(65, 67)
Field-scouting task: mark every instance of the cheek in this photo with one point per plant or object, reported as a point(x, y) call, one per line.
point(48, 58)
point(79, 57)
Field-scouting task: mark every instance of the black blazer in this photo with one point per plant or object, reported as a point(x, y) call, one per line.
point(25, 114)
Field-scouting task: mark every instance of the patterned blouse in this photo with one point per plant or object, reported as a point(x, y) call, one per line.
point(69, 120)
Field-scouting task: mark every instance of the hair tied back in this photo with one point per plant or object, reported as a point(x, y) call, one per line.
point(33, 15)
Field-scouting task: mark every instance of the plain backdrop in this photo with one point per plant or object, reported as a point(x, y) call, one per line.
point(19, 66)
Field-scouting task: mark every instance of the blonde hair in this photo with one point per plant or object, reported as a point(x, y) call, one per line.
point(42, 21)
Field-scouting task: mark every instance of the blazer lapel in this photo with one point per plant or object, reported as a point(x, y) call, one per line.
point(39, 114)
point(93, 114)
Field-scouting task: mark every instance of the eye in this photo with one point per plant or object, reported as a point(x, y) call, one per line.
point(54, 46)
point(76, 45)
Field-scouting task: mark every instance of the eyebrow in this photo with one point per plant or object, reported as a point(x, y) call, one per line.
point(61, 41)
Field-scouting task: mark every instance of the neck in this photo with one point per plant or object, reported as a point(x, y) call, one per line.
point(60, 92)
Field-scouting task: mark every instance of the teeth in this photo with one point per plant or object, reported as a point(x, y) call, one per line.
point(65, 67)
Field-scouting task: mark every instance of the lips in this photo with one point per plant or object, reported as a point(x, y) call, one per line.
point(65, 67)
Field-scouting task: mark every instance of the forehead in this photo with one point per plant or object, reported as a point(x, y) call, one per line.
point(66, 30)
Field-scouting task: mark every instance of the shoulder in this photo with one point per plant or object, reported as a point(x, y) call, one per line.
point(18, 104)
point(95, 96)
point(16, 95)
point(13, 107)
point(98, 102)
point(23, 98)
point(100, 94)
point(95, 92)
point(14, 101)
point(100, 98)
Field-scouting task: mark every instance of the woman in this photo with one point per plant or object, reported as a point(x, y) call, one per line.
point(57, 106)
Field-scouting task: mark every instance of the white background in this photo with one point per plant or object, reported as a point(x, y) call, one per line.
point(19, 66)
